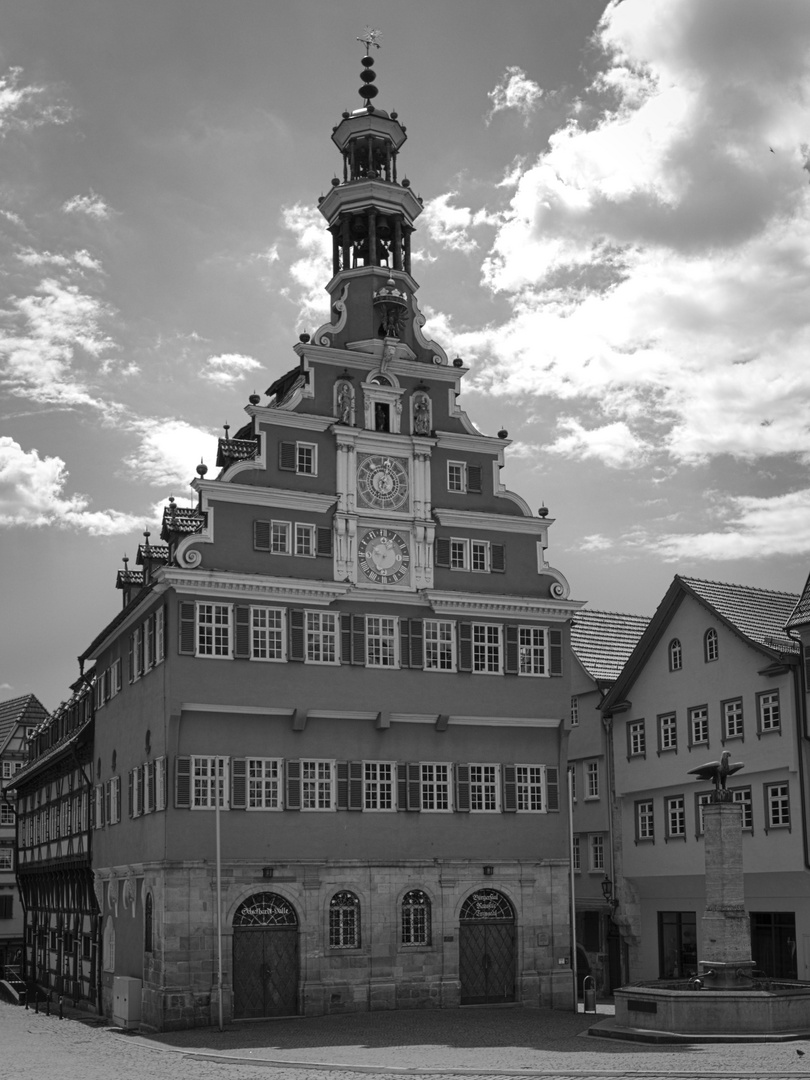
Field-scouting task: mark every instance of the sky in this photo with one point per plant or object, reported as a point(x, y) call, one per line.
point(615, 239)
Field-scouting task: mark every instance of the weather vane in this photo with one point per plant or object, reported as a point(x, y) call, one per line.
point(371, 37)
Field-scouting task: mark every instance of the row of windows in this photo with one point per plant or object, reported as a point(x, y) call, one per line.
point(10, 768)
point(768, 720)
point(590, 778)
point(147, 794)
point(711, 650)
point(227, 631)
point(147, 649)
point(319, 784)
point(66, 816)
point(775, 806)
point(596, 852)
point(292, 538)
point(477, 556)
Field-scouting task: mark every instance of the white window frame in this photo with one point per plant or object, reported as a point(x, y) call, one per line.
point(744, 796)
point(6, 857)
point(668, 732)
point(645, 820)
point(436, 787)
point(675, 654)
point(777, 805)
point(596, 853)
point(530, 788)
point(459, 553)
point(636, 738)
point(591, 780)
point(577, 855)
point(485, 788)
point(769, 711)
point(259, 773)
point(160, 783)
point(160, 636)
point(302, 531)
point(280, 537)
point(318, 788)
point(675, 816)
point(379, 786)
point(224, 650)
point(574, 710)
point(317, 632)
point(439, 650)
point(733, 719)
point(306, 459)
point(7, 814)
point(458, 487)
point(698, 715)
point(480, 552)
point(115, 800)
point(711, 645)
point(533, 651)
point(382, 641)
point(262, 614)
point(481, 650)
point(204, 771)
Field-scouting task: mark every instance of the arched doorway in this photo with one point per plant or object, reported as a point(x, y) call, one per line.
point(486, 949)
point(265, 958)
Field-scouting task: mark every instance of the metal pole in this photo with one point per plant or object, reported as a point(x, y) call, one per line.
point(217, 781)
point(571, 875)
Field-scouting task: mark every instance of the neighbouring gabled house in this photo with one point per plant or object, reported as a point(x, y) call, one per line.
point(601, 642)
point(19, 717)
point(714, 671)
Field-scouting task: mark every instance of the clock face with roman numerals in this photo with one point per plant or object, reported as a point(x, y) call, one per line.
point(383, 556)
point(382, 482)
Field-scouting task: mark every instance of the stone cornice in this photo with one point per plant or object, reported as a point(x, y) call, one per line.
point(498, 606)
point(453, 440)
point(282, 418)
point(255, 586)
point(327, 354)
point(248, 494)
point(473, 519)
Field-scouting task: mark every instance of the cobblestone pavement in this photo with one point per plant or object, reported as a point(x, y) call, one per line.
point(485, 1042)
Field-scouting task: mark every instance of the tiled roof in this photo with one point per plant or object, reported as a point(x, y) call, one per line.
point(603, 640)
point(229, 450)
point(27, 710)
point(125, 579)
point(156, 553)
point(181, 519)
point(801, 613)
point(758, 614)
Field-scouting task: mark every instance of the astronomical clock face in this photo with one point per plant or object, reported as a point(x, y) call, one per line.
point(382, 482)
point(384, 557)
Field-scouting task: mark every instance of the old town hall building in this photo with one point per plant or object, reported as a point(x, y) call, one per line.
point(356, 645)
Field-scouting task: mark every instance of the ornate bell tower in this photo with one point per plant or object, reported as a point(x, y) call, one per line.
point(371, 215)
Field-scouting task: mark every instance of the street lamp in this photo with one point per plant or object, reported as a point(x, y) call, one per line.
point(607, 892)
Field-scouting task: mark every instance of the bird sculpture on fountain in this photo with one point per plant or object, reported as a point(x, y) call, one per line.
point(718, 772)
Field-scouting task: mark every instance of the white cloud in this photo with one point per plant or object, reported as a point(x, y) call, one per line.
point(170, 451)
point(91, 205)
point(450, 225)
point(24, 106)
point(82, 259)
point(656, 256)
point(614, 445)
point(312, 268)
point(32, 494)
point(47, 332)
point(515, 91)
point(228, 368)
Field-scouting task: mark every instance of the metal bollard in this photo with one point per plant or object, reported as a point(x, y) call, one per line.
point(589, 994)
point(61, 1010)
point(48, 1005)
point(25, 999)
point(36, 1001)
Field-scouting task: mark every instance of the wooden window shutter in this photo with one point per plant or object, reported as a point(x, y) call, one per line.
point(465, 646)
point(186, 643)
point(286, 456)
point(555, 652)
point(108, 801)
point(807, 666)
point(182, 782)
point(118, 799)
point(151, 801)
point(151, 659)
point(552, 789)
point(297, 649)
point(417, 643)
point(324, 540)
point(238, 783)
point(342, 801)
point(358, 639)
point(402, 786)
point(241, 640)
point(293, 777)
point(512, 659)
point(509, 781)
point(404, 643)
point(160, 783)
point(261, 535)
point(345, 638)
point(498, 558)
point(132, 659)
point(131, 795)
point(414, 794)
point(442, 554)
point(474, 479)
point(462, 791)
point(139, 786)
point(355, 785)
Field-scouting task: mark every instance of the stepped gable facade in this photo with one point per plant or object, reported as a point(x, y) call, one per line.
point(330, 716)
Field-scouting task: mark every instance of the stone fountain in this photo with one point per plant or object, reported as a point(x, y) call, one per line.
point(724, 1001)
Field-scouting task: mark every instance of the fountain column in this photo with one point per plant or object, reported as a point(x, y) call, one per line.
point(726, 930)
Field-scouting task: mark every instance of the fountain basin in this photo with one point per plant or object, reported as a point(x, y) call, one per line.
point(782, 1010)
